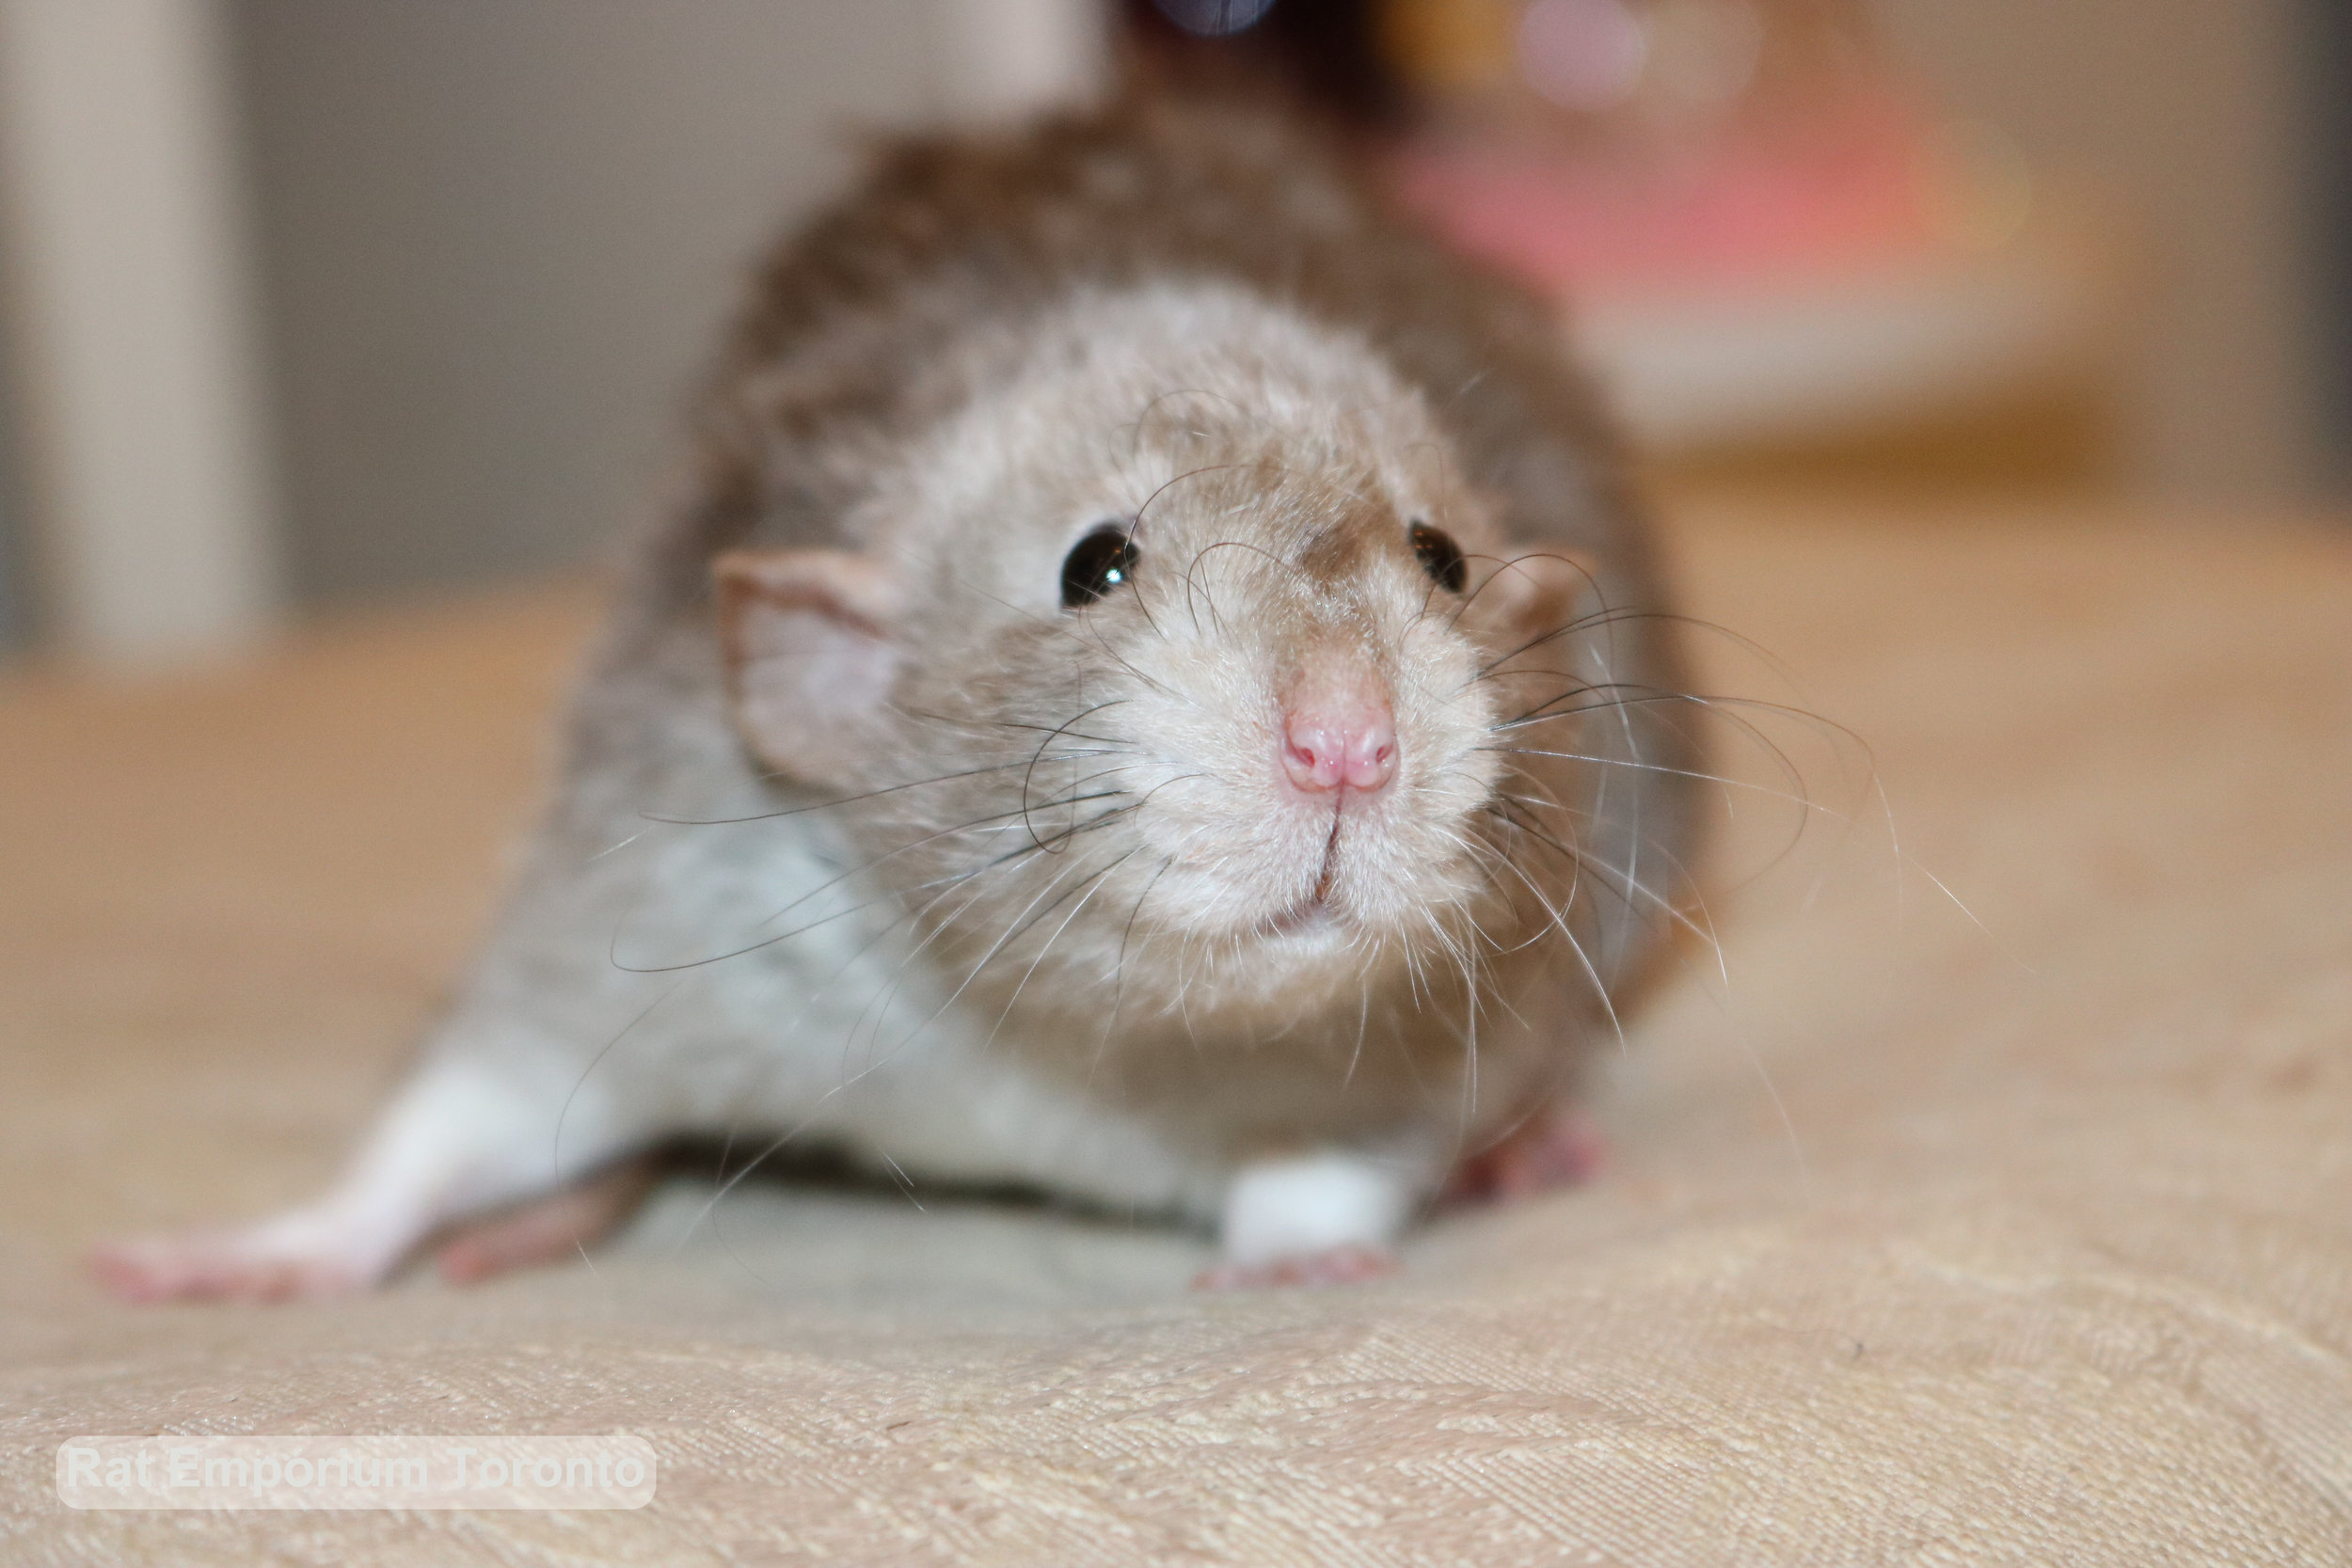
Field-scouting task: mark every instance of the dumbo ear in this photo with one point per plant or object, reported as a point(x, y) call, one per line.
point(1531, 597)
point(807, 638)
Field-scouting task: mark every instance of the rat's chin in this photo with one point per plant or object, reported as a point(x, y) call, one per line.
point(1320, 920)
point(1313, 927)
point(1312, 921)
point(1304, 921)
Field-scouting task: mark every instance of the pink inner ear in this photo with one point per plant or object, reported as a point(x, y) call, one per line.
point(810, 658)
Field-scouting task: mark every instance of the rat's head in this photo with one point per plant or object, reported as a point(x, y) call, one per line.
point(1185, 641)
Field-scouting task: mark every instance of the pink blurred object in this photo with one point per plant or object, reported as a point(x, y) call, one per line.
point(1845, 189)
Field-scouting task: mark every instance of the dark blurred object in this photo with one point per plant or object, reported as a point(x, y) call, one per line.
point(1772, 241)
point(15, 613)
point(1607, 144)
point(1329, 49)
point(1571, 66)
point(2328, 179)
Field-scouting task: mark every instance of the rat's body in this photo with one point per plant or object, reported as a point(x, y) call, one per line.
point(1180, 726)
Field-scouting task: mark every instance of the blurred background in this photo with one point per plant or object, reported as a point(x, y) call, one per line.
point(316, 301)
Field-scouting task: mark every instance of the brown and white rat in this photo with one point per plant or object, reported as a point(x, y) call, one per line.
point(1158, 692)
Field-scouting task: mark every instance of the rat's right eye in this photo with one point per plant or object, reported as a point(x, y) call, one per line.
point(1440, 557)
point(1096, 564)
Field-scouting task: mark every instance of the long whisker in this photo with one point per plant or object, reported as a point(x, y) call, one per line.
point(1019, 985)
point(782, 1139)
point(1559, 920)
point(1631, 886)
point(1767, 790)
point(820, 805)
point(617, 962)
point(1029, 777)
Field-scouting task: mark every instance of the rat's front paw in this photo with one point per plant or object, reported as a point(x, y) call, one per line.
point(1323, 1218)
point(301, 1255)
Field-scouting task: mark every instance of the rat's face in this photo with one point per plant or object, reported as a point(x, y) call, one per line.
point(1178, 665)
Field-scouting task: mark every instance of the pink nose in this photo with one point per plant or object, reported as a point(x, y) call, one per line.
point(1339, 734)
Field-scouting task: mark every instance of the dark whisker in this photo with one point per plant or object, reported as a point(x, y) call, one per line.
point(823, 805)
point(1041, 846)
point(1093, 884)
point(1029, 777)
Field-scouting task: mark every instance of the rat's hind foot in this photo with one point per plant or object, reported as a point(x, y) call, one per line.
point(1558, 1147)
point(547, 1230)
point(1341, 1265)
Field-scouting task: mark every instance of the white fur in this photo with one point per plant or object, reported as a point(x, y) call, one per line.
point(1313, 1204)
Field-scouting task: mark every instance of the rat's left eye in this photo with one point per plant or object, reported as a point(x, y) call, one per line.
point(1440, 557)
point(1096, 564)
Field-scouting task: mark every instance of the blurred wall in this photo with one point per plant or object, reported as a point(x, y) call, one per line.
point(2192, 114)
point(2326, 170)
point(498, 235)
point(132, 325)
point(16, 631)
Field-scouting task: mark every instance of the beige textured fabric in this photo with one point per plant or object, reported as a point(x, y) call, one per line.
point(1922, 1243)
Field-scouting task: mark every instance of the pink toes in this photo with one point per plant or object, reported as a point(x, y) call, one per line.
point(1344, 1265)
point(333, 1248)
point(1557, 1148)
point(216, 1265)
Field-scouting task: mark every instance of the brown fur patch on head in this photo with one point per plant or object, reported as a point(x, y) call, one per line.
point(1339, 550)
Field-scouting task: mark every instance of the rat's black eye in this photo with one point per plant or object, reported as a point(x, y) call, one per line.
point(1096, 564)
point(1440, 557)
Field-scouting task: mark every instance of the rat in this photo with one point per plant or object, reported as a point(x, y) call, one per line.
point(1156, 690)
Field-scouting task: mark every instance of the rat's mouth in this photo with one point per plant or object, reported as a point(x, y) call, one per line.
point(1312, 914)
